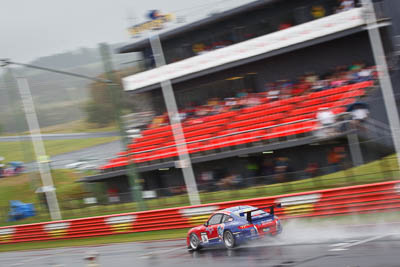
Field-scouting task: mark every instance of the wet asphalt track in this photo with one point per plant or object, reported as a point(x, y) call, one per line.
point(366, 249)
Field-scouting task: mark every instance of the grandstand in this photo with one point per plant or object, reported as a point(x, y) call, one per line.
point(230, 117)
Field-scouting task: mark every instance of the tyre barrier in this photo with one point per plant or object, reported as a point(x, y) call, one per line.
point(377, 197)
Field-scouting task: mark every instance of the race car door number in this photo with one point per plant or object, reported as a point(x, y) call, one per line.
point(204, 237)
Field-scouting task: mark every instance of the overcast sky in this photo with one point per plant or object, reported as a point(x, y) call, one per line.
point(35, 28)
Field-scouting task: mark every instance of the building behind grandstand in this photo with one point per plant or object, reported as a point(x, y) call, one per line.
point(253, 86)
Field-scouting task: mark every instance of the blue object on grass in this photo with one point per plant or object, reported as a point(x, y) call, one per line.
point(20, 210)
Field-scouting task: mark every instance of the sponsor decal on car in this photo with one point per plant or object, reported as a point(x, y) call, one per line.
point(122, 223)
point(220, 230)
point(198, 215)
point(6, 234)
point(204, 238)
point(297, 205)
point(56, 229)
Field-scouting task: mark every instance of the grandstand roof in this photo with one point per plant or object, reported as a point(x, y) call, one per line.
point(196, 24)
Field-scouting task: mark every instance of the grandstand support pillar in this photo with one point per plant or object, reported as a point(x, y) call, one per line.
point(355, 149)
point(38, 146)
point(383, 74)
point(172, 109)
point(115, 93)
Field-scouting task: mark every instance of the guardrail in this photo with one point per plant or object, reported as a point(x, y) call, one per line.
point(339, 201)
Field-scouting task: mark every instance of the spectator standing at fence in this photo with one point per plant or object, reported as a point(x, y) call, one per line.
point(326, 119)
point(312, 170)
point(336, 158)
point(231, 181)
point(251, 172)
point(281, 168)
point(207, 180)
point(359, 113)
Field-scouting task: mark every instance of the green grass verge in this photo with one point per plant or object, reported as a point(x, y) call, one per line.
point(78, 126)
point(23, 151)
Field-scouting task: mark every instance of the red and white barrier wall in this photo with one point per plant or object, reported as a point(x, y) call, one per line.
point(339, 201)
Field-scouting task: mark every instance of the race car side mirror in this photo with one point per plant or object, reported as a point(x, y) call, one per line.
point(206, 224)
point(279, 205)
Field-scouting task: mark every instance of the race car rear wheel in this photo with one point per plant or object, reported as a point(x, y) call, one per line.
point(229, 240)
point(194, 242)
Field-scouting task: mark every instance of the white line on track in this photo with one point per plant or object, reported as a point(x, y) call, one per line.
point(349, 245)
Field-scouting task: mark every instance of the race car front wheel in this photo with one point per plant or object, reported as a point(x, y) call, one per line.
point(229, 240)
point(194, 242)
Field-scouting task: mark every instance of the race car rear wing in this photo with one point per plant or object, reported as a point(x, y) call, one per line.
point(271, 211)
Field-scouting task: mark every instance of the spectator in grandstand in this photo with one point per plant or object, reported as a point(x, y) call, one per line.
point(202, 111)
point(345, 5)
point(212, 101)
point(311, 78)
point(273, 94)
point(242, 93)
point(230, 102)
point(158, 121)
point(253, 100)
point(320, 85)
point(337, 81)
point(326, 119)
point(268, 86)
point(285, 87)
point(356, 66)
point(365, 74)
point(302, 87)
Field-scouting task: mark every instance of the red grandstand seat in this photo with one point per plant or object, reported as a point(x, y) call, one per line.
point(210, 130)
point(156, 130)
point(298, 118)
point(205, 125)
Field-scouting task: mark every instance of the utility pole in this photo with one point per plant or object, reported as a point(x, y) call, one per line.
point(383, 74)
point(115, 92)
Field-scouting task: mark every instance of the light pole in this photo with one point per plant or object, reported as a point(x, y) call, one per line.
point(115, 90)
point(132, 174)
point(383, 74)
point(184, 159)
point(38, 146)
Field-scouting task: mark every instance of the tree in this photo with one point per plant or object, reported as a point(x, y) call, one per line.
point(100, 108)
point(100, 114)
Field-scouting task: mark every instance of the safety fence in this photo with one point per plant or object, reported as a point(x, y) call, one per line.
point(339, 201)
